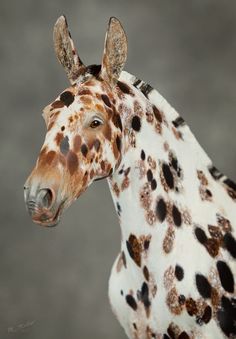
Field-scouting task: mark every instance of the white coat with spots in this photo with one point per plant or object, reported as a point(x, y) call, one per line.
point(175, 274)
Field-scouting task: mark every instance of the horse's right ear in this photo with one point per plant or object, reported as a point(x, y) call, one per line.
point(115, 52)
point(65, 50)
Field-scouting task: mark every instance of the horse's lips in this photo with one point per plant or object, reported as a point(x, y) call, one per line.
point(48, 220)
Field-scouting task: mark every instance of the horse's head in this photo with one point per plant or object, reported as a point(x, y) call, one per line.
point(84, 129)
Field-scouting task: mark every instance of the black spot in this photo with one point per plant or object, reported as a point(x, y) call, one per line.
point(179, 272)
point(161, 210)
point(153, 184)
point(230, 244)
point(149, 175)
point(207, 315)
point(118, 208)
point(84, 150)
point(93, 69)
point(168, 175)
point(64, 145)
point(181, 299)
point(143, 155)
point(145, 89)
point(136, 123)
point(178, 122)
point(227, 316)
point(106, 100)
point(165, 336)
point(126, 172)
point(124, 88)
point(121, 292)
point(203, 286)
point(176, 216)
point(118, 143)
point(146, 273)
point(174, 163)
point(183, 335)
point(144, 295)
point(137, 83)
point(215, 173)
point(67, 98)
point(146, 244)
point(200, 235)
point(62, 128)
point(117, 121)
point(226, 276)
point(208, 192)
point(131, 302)
point(230, 184)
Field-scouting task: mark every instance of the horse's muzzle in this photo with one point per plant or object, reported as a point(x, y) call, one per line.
point(42, 205)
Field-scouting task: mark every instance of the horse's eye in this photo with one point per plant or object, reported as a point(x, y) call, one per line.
point(95, 123)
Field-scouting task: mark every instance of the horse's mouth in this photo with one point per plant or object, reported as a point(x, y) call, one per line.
point(47, 218)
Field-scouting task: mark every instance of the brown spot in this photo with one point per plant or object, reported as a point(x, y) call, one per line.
point(50, 157)
point(84, 150)
point(58, 104)
point(107, 132)
point(92, 174)
point(99, 107)
point(43, 151)
point(134, 249)
point(177, 134)
point(169, 240)
point(97, 144)
point(106, 100)
point(58, 138)
point(121, 262)
point(124, 88)
point(212, 246)
point(116, 189)
point(215, 298)
point(191, 306)
point(146, 273)
point(50, 125)
point(77, 143)
point(84, 91)
point(85, 178)
point(86, 100)
point(215, 232)
point(157, 114)
point(172, 301)
point(169, 276)
point(173, 330)
point(72, 162)
point(224, 223)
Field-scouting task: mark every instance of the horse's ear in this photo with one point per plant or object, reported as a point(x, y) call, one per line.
point(115, 52)
point(65, 50)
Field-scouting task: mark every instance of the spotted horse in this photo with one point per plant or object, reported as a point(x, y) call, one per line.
point(175, 274)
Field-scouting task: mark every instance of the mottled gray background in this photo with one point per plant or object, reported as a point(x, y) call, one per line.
point(53, 282)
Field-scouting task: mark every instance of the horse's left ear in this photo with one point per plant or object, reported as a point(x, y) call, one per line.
point(115, 52)
point(65, 50)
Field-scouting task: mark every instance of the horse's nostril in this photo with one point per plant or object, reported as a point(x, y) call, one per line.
point(45, 197)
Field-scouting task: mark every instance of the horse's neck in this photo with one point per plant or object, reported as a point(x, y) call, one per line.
point(160, 140)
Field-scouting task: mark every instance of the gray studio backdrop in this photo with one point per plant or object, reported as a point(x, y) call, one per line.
point(53, 282)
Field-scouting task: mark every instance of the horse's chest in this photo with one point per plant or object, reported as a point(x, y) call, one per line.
point(138, 299)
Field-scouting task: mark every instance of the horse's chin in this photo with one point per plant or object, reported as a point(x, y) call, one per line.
point(48, 223)
point(49, 219)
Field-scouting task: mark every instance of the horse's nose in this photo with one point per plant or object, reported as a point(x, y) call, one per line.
point(38, 198)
